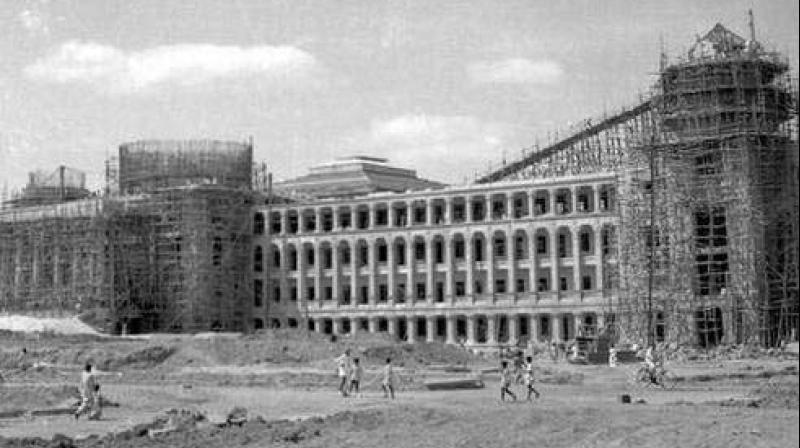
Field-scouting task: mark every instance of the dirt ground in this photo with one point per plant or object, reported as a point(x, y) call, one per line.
point(729, 403)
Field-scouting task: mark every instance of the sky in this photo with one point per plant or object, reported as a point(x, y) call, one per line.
point(449, 88)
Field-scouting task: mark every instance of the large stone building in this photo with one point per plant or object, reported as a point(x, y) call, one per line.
point(481, 264)
point(675, 219)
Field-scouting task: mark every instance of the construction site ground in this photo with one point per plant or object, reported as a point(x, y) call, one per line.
point(286, 382)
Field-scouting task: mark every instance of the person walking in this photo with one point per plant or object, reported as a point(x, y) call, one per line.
point(87, 389)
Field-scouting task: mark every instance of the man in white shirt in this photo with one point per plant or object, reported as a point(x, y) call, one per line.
point(343, 370)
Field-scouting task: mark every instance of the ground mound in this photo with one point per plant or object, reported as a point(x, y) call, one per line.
point(36, 397)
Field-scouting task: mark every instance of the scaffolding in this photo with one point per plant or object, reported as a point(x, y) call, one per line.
point(709, 218)
point(166, 248)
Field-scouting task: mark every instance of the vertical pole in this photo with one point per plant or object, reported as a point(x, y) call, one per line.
point(652, 243)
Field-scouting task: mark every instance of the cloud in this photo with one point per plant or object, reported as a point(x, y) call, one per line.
point(446, 148)
point(33, 22)
point(118, 71)
point(515, 71)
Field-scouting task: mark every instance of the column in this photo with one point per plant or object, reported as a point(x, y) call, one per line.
point(302, 300)
point(510, 205)
point(555, 323)
point(578, 318)
point(411, 329)
point(411, 287)
point(318, 272)
point(353, 216)
point(512, 260)
point(430, 268)
point(533, 327)
point(372, 321)
point(596, 191)
point(470, 330)
point(451, 329)
point(390, 270)
point(336, 223)
point(284, 217)
point(318, 220)
point(391, 323)
point(430, 328)
point(532, 258)
point(283, 279)
point(600, 320)
point(450, 264)
point(468, 207)
point(429, 212)
point(372, 217)
point(469, 265)
point(409, 213)
point(573, 193)
point(490, 265)
point(555, 283)
point(372, 274)
point(353, 273)
point(491, 329)
point(336, 269)
point(513, 329)
point(531, 202)
point(354, 323)
point(598, 252)
point(337, 325)
point(448, 210)
point(391, 215)
point(576, 259)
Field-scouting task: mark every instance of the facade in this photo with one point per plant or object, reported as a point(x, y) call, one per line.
point(482, 264)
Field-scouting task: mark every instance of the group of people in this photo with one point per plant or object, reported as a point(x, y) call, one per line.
point(508, 377)
point(351, 373)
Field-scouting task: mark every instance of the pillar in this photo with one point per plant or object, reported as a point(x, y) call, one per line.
point(451, 330)
point(578, 318)
point(318, 272)
point(372, 321)
point(599, 281)
point(354, 322)
point(449, 261)
point(411, 329)
point(555, 324)
point(411, 287)
point(390, 269)
point(353, 272)
point(513, 329)
point(372, 253)
point(470, 330)
point(576, 259)
point(491, 329)
point(511, 242)
point(430, 328)
point(337, 325)
point(318, 220)
point(533, 328)
point(336, 279)
point(469, 265)
point(391, 323)
point(555, 283)
point(430, 268)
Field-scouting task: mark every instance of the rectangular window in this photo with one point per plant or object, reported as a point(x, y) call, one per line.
point(564, 285)
point(587, 282)
point(383, 293)
point(347, 294)
point(400, 255)
point(328, 293)
point(586, 242)
point(460, 289)
point(420, 290)
point(520, 285)
point(276, 294)
point(500, 286)
point(382, 253)
point(400, 296)
point(364, 294)
point(310, 292)
point(294, 294)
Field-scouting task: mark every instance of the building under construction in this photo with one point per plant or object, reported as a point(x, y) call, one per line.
point(165, 249)
point(707, 180)
point(673, 220)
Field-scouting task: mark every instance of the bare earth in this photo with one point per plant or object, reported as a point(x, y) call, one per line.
point(582, 415)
